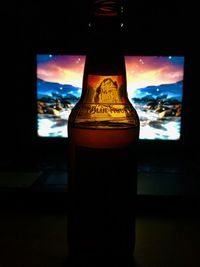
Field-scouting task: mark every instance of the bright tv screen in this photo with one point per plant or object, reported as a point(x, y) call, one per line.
point(154, 84)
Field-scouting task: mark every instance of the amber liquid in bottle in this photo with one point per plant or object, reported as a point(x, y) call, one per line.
point(103, 131)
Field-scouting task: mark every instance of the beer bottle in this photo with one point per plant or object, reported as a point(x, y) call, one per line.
point(103, 131)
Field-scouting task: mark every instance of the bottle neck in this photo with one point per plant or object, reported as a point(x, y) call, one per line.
point(104, 62)
point(104, 24)
point(106, 68)
point(105, 55)
point(106, 27)
point(105, 52)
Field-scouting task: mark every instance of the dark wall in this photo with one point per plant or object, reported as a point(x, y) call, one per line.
point(30, 27)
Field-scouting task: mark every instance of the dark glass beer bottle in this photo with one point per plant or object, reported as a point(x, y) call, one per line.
point(103, 130)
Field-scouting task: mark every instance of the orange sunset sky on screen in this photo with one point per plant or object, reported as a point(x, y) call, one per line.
point(142, 71)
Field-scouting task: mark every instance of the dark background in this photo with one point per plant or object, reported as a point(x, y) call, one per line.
point(28, 27)
point(31, 27)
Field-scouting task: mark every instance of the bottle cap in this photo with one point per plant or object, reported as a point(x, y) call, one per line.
point(107, 8)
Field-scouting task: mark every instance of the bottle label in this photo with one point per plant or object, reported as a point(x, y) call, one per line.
point(105, 89)
point(103, 110)
point(105, 99)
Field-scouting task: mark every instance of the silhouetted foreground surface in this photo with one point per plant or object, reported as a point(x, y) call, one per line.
point(37, 238)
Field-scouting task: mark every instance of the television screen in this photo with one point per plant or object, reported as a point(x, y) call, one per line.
point(154, 85)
